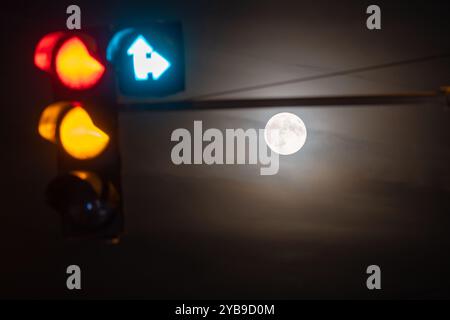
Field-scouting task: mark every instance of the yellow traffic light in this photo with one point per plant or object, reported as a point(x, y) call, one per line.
point(80, 137)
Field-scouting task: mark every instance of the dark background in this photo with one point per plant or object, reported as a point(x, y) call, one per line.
point(371, 185)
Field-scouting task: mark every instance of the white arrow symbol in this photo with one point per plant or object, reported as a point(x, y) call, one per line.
point(143, 64)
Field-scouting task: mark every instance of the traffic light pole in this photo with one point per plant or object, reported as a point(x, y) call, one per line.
point(405, 99)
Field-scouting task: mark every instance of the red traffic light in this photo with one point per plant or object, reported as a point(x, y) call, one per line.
point(73, 63)
point(76, 67)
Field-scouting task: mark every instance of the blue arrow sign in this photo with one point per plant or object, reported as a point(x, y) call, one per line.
point(146, 60)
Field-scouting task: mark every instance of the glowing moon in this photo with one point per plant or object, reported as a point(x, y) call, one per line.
point(285, 133)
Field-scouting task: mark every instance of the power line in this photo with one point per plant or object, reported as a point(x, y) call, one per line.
point(323, 76)
point(400, 99)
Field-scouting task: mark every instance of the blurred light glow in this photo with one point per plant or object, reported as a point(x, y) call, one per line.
point(91, 178)
point(43, 53)
point(75, 67)
point(80, 137)
point(285, 133)
point(115, 43)
point(143, 64)
point(49, 118)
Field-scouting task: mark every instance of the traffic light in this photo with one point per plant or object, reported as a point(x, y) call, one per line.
point(83, 124)
point(85, 69)
point(148, 60)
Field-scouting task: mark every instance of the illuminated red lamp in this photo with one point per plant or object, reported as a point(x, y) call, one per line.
point(76, 67)
point(43, 54)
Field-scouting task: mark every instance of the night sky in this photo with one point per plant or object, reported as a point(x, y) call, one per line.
point(370, 186)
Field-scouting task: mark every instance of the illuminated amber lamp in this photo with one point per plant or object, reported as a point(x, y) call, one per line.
point(77, 133)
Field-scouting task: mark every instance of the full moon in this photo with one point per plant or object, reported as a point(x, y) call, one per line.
point(285, 133)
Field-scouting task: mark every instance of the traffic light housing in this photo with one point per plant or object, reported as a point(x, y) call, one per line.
point(89, 204)
point(91, 72)
point(83, 124)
